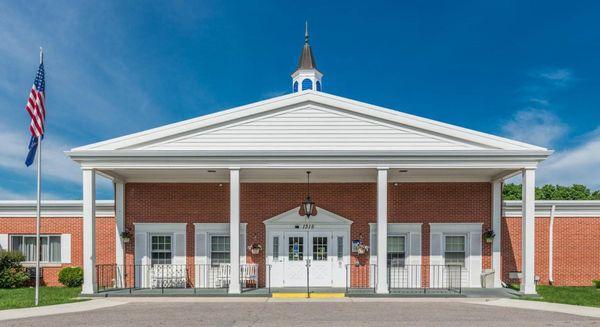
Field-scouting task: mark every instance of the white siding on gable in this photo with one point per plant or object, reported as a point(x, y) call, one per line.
point(312, 128)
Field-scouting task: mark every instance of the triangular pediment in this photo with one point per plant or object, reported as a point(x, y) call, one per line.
point(309, 121)
point(323, 217)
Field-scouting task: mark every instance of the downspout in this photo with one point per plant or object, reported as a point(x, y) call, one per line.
point(550, 245)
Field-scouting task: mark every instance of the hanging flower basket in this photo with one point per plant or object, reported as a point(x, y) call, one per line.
point(489, 236)
point(255, 248)
point(125, 236)
point(362, 248)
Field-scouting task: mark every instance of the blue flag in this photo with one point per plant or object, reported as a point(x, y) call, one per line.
point(33, 143)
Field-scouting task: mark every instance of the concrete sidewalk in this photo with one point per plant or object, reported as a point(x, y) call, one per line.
point(58, 309)
point(545, 306)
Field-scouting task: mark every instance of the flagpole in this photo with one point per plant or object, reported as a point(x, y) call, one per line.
point(38, 211)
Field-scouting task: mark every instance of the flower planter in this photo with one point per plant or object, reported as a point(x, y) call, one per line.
point(489, 239)
point(255, 250)
point(125, 239)
point(361, 251)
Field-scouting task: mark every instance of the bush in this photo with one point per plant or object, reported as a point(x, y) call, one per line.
point(596, 283)
point(12, 273)
point(71, 276)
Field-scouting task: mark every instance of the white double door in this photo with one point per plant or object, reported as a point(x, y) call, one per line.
point(314, 257)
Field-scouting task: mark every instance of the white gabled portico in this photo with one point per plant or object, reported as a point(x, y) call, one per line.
point(340, 140)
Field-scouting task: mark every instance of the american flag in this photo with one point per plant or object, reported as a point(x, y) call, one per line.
point(37, 111)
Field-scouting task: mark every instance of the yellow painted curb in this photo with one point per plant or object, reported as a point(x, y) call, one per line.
point(305, 295)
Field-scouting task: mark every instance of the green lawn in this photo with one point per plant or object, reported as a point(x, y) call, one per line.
point(579, 295)
point(24, 297)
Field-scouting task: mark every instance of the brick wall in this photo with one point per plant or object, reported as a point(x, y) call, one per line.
point(576, 248)
point(576, 245)
point(209, 202)
point(105, 239)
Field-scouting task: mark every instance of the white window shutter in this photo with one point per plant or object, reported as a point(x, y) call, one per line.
point(475, 259)
point(372, 246)
point(435, 254)
point(242, 248)
point(141, 249)
point(200, 248)
point(415, 248)
point(179, 249)
point(201, 260)
point(141, 260)
point(4, 242)
point(65, 248)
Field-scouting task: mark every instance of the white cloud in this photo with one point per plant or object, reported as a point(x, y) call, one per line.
point(55, 164)
point(561, 75)
point(535, 126)
point(576, 165)
point(540, 101)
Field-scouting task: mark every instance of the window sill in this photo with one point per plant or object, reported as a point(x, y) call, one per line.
point(43, 264)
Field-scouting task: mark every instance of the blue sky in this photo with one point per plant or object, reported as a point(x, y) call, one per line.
point(521, 69)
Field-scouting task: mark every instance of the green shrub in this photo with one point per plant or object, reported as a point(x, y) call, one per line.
point(12, 273)
point(596, 283)
point(71, 276)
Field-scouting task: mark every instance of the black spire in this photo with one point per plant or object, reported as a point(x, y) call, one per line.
point(307, 60)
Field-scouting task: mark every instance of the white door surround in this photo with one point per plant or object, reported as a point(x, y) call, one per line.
point(292, 241)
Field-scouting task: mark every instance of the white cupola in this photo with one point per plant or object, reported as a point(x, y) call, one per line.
point(306, 76)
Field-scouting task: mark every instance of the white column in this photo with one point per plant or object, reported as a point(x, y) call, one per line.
point(497, 229)
point(234, 230)
point(89, 232)
point(120, 227)
point(382, 203)
point(528, 233)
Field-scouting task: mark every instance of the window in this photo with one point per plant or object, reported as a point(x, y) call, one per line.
point(161, 250)
point(296, 86)
point(396, 251)
point(320, 248)
point(296, 248)
point(219, 250)
point(306, 84)
point(276, 248)
point(49, 247)
point(454, 251)
point(318, 84)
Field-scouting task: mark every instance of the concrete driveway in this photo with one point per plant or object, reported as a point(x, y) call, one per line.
point(174, 312)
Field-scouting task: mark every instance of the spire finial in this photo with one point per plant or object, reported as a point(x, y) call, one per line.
point(306, 31)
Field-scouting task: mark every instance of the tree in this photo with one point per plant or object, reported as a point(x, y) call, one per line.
point(553, 192)
point(512, 192)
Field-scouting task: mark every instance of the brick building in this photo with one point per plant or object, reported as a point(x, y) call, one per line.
point(576, 226)
point(394, 201)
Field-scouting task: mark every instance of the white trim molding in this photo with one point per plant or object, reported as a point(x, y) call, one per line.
point(53, 208)
point(564, 208)
point(160, 227)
